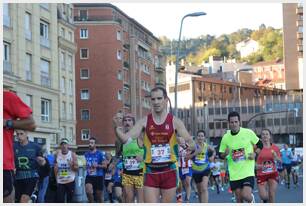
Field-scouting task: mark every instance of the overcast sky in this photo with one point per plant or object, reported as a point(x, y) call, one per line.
point(163, 19)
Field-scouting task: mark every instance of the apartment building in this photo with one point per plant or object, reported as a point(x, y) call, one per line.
point(31, 66)
point(66, 55)
point(117, 63)
point(293, 45)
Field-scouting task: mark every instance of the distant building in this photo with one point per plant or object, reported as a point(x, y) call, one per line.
point(270, 74)
point(247, 47)
point(118, 63)
point(293, 45)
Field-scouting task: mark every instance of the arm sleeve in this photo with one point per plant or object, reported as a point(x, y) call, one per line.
point(222, 145)
point(254, 138)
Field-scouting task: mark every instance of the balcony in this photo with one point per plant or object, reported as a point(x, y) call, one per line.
point(126, 46)
point(7, 21)
point(44, 42)
point(45, 81)
point(299, 10)
point(159, 68)
point(299, 35)
point(299, 23)
point(7, 67)
point(300, 48)
point(28, 34)
point(97, 18)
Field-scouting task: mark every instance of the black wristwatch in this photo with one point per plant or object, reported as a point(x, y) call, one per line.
point(9, 124)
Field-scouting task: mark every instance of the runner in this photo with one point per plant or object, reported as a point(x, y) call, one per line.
point(185, 172)
point(16, 115)
point(117, 179)
point(158, 133)
point(266, 173)
point(201, 159)
point(215, 167)
point(65, 168)
point(286, 159)
point(239, 143)
point(108, 178)
point(28, 159)
point(95, 163)
point(132, 178)
point(295, 167)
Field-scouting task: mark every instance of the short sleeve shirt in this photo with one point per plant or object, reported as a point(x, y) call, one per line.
point(240, 146)
point(94, 158)
point(13, 108)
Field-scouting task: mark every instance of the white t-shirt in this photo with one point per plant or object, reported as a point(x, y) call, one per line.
point(182, 161)
point(215, 168)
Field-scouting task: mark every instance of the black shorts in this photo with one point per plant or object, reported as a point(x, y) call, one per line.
point(117, 184)
point(97, 182)
point(25, 187)
point(287, 167)
point(248, 181)
point(199, 176)
point(8, 182)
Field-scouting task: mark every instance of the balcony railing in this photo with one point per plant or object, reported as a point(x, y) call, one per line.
point(44, 42)
point(97, 18)
point(299, 10)
point(7, 67)
point(45, 81)
point(299, 35)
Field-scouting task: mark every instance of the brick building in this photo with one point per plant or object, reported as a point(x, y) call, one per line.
point(117, 63)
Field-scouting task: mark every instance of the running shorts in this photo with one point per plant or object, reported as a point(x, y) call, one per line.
point(130, 180)
point(261, 179)
point(96, 182)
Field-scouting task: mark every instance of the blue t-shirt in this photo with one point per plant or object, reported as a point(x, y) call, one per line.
point(286, 156)
point(94, 158)
point(25, 160)
point(51, 159)
point(118, 169)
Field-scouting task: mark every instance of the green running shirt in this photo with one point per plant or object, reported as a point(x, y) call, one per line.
point(240, 145)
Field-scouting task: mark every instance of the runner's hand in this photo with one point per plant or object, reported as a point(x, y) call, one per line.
point(117, 120)
point(40, 160)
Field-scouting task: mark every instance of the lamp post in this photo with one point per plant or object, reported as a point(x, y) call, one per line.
point(196, 14)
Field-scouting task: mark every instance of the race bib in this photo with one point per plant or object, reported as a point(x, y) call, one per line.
point(160, 153)
point(238, 155)
point(92, 171)
point(267, 167)
point(185, 170)
point(63, 173)
point(200, 158)
point(131, 164)
point(108, 176)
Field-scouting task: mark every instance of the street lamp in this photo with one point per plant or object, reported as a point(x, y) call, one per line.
point(196, 14)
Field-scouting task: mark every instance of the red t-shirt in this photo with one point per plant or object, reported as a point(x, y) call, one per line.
point(13, 108)
point(266, 161)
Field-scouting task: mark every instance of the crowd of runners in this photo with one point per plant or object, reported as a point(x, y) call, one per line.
point(156, 160)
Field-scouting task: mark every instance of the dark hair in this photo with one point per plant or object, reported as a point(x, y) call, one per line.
point(199, 131)
point(92, 138)
point(128, 115)
point(270, 133)
point(164, 91)
point(233, 114)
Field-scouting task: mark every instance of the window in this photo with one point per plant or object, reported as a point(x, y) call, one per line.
point(84, 94)
point(28, 67)
point(119, 55)
point(62, 32)
point(6, 52)
point(29, 100)
point(63, 85)
point(119, 75)
point(63, 131)
point(83, 33)
point(119, 35)
point(44, 34)
point(119, 95)
point(70, 36)
point(62, 60)
point(83, 15)
point(6, 15)
point(44, 73)
point(63, 110)
point(70, 88)
point(84, 53)
point(45, 110)
point(85, 114)
point(70, 135)
point(85, 134)
point(84, 73)
point(70, 111)
point(45, 6)
point(69, 62)
point(27, 26)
